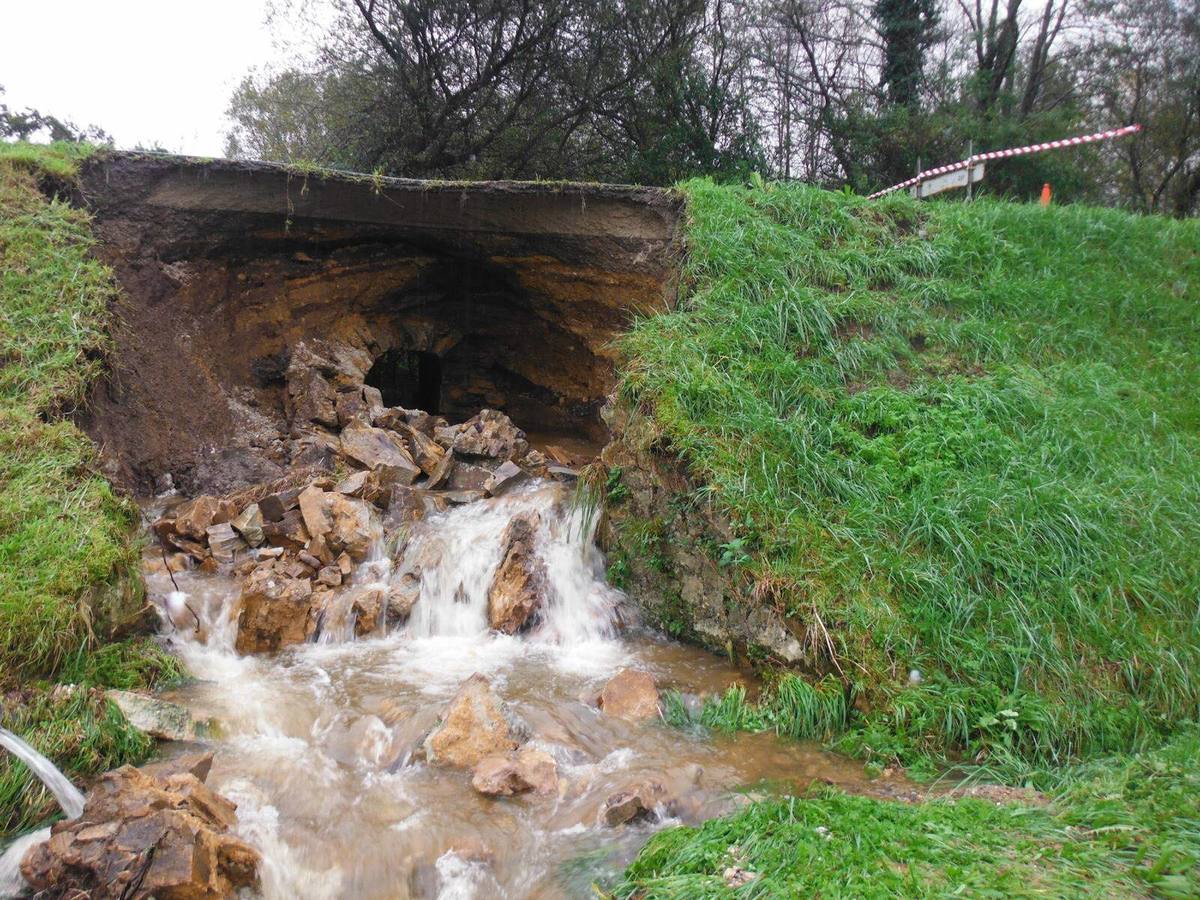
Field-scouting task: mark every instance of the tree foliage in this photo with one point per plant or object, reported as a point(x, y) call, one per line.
point(827, 91)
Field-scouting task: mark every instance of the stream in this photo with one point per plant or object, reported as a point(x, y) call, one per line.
point(316, 744)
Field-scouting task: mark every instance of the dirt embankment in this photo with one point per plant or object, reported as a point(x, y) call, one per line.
point(462, 296)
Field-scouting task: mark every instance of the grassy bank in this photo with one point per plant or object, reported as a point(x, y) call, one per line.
point(1124, 827)
point(961, 438)
point(67, 542)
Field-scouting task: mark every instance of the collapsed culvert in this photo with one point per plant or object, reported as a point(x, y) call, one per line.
point(254, 298)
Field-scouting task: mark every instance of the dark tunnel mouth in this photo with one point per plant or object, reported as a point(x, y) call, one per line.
point(411, 379)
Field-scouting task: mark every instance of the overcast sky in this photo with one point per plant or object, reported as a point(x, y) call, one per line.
point(146, 71)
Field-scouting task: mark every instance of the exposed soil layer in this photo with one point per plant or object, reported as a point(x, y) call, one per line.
point(464, 296)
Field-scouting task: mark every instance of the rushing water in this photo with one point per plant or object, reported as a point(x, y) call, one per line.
point(316, 742)
point(67, 795)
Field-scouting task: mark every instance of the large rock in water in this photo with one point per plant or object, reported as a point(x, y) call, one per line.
point(276, 611)
point(146, 834)
point(516, 773)
point(475, 724)
point(342, 523)
point(515, 596)
point(630, 695)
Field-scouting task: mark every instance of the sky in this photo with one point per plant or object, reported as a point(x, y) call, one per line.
point(146, 71)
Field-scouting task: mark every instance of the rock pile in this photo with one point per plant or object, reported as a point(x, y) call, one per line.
point(152, 832)
point(296, 541)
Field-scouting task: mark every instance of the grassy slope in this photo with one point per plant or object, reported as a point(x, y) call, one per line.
point(964, 438)
point(67, 548)
point(1127, 827)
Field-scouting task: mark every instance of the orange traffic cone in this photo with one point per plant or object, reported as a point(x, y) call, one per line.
point(1045, 194)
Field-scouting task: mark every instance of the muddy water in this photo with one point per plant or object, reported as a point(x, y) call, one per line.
point(317, 743)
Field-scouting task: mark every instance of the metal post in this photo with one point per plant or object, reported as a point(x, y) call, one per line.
point(970, 158)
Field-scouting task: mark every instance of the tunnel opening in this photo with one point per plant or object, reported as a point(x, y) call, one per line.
point(259, 301)
point(411, 379)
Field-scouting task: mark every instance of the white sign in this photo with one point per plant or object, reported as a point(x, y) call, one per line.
point(947, 182)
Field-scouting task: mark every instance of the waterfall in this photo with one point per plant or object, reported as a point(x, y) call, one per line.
point(67, 795)
point(455, 555)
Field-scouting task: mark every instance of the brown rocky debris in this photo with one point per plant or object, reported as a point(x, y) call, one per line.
point(146, 834)
point(351, 406)
point(516, 594)
point(476, 723)
point(276, 611)
point(490, 434)
point(630, 695)
point(629, 805)
point(402, 597)
point(516, 773)
point(374, 447)
point(405, 506)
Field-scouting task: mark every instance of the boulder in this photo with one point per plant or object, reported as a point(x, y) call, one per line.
point(402, 597)
point(224, 542)
point(311, 399)
point(515, 597)
point(635, 803)
point(313, 509)
point(462, 498)
point(367, 610)
point(330, 576)
point(466, 477)
point(442, 471)
point(374, 447)
point(405, 506)
point(351, 407)
point(249, 524)
point(193, 517)
point(145, 835)
point(350, 530)
point(476, 723)
point(288, 532)
point(630, 695)
point(490, 434)
point(274, 506)
point(158, 718)
point(276, 611)
point(516, 773)
point(426, 452)
point(507, 476)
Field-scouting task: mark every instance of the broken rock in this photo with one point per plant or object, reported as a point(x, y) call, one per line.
point(249, 524)
point(515, 596)
point(476, 723)
point(630, 805)
point(516, 773)
point(224, 542)
point(630, 695)
point(374, 447)
point(276, 612)
point(158, 718)
point(491, 434)
point(506, 477)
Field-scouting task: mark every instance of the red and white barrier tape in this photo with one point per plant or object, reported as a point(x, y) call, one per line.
point(1013, 151)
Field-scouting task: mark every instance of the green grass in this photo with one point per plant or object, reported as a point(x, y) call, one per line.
point(1129, 827)
point(79, 730)
point(961, 438)
point(68, 546)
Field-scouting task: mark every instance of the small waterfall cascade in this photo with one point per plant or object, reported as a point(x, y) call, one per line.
point(67, 795)
point(453, 558)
